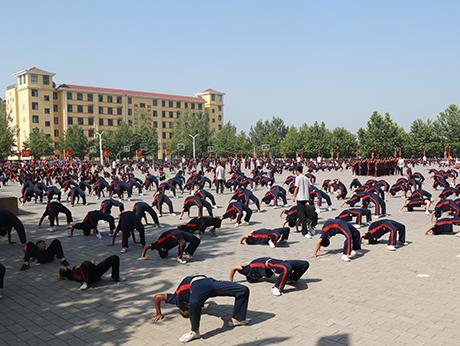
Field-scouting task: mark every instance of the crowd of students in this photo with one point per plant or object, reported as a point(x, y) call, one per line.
point(81, 180)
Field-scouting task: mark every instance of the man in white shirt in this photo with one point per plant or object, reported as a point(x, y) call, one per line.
point(302, 196)
point(220, 178)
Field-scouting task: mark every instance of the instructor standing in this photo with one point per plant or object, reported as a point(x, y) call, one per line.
point(302, 195)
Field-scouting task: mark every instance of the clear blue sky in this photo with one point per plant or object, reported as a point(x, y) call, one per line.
point(332, 61)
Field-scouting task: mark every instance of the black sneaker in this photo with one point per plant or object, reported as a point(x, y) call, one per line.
point(65, 263)
point(24, 267)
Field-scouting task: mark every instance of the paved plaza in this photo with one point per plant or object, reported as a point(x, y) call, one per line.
point(406, 297)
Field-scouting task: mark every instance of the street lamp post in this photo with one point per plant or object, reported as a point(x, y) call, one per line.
point(100, 146)
point(193, 138)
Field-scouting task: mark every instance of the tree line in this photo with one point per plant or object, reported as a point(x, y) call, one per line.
point(379, 138)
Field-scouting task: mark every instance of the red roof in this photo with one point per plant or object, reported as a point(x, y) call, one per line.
point(212, 91)
point(130, 92)
point(38, 70)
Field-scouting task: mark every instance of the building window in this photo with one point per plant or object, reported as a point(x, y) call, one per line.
point(47, 111)
point(213, 120)
point(155, 102)
point(213, 110)
point(56, 133)
point(80, 121)
point(34, 92)
point(46, 80)
point(163, 113)
point(34, 78)
point(91, 133)
point(170, 135)
point(47, 124)
point(163, 103)
point(119, 110)
point(142, 105)
point(55, 108)
point(110, 110)
point(119, 99)
point(110, 122)
point(220, 108)
point(171, 125)
point(178, 115)
point(220, 117)
point(90, 109)
point(220, 127)
point(130, 111)
point(79, 96)
point(101, 110)
point(101, 98)
point(200, 106)
point(69, 120)
point(213, 97)
point(155, 124)
point(164, 135)
point(35, 119)
point(186, 105)
point(80, 109)
point(69, 108)
point(164, 124)
point(46, 97)
point(89, 97)
point(178, 104)
point(56, 121)
point(35, 106)
point(171, 104)
point(69, 95)
point(171, 114)
point(155, 114)
point(101, 122)
point(55, 97)
point(109, 99)
point(130, 100)
point(90, 121)
point(193, 106)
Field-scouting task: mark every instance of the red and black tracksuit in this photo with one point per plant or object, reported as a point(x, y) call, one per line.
point(351, 234)
point(107, 204)
point(158, 201)
point(89, 272)
point(46, 255)
point(379, 203)
point(8, 221)
point(91, 220)
point(235, 210)
point(348, 214)
point(127, 223)
point(200, 224)
point(53, 209)
point(191, 201)
point(141, 208)
point(262, 236)
point(378, 228)
point(185, 241)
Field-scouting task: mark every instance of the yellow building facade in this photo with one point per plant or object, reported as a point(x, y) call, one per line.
point(35, 103)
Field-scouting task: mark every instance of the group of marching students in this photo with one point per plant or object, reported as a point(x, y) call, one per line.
point(78, 180)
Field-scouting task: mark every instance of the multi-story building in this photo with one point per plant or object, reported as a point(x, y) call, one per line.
point(36, 103)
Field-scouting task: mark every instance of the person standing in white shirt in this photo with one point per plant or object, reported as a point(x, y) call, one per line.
point(220, 178)
point(302, 196)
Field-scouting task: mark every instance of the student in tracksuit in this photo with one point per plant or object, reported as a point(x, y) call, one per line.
point(51, 192)
point(443, 226)
point(127, 223)
point(395, 188)
point(348, 214)
point(378, 228)
point(8, 221)
point(446, 206)
point(235, 210)
point(191, 201)
point(292, 218)
point(447, 192)
point(199, 225)
point(149, 181)
point(355, 183)
point(107, 205)
point(338, 185)
point(245, 195)
point(141, 208)
point(319, 195)
point(158, 199)
point(186, 242)
point(53, 209)
point(352, 243)
point(203, 194)
point(191, 295)
point(42, 254)
point(266, 236)
point(379, 203)
point(76, 193)
point(274, 195)
point(265, 267)
point(100, 185)
point(89, 272)
point(90, 222)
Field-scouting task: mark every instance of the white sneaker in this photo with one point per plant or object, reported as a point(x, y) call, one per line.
point(189, 336)
point(357, 226)
point(237, 224)
point(345, 258)
point(181, 260)
point(318, 211)
point(275, 291)
point(427, 212)
point(352, 253)
point(124, 250)
point(358, 252)
point(51, 229)
point(457, 235)
point(245, 223)
point(391, 248)
point(329, 208)
point(275, 207)
point(271, 244)
point(84, 286)
point(215, 207)
point(308, 236)
point(99, 235)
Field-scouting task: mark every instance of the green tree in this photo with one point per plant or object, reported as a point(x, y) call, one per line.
point(75, 140)
point(191, 123)
point(382, 135)
point(268, 132)
point(116, 141)
point(423, 134)
point(344, 141)
point(146, 138)
point(447, 125)
point(315, 137)
point(225, 141)
point(244, 144)
point(7, 134)
point(291, 143)
point(39, 144)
